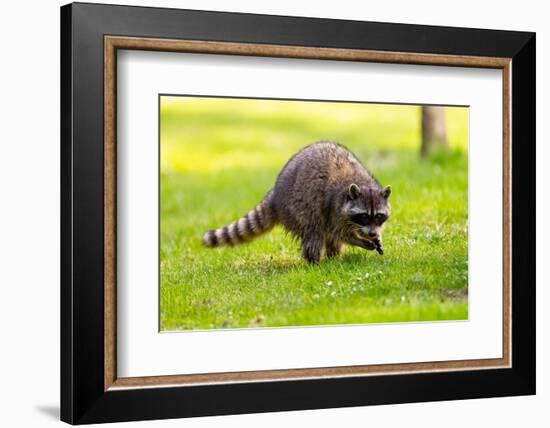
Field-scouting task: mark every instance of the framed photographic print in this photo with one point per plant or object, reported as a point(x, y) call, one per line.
point(265, 213)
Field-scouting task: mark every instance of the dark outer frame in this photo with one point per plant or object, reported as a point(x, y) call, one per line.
point(83, 396)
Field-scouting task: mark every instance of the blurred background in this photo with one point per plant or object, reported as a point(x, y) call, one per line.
point(219, 156)
point(241, 131)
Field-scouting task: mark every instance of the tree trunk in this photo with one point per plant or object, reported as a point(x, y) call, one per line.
point(434, 129)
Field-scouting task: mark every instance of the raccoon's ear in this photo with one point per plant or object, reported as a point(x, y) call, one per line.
point(353, 191)
point(386, 192)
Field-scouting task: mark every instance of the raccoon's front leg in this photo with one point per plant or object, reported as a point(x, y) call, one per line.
point(332, 248)
point(312, 246)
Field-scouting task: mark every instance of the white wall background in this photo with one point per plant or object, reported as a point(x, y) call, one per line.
point(29, 213)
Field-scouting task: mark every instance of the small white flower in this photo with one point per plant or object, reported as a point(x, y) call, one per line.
point(329, 283)
point(380, 272)
point(402, 298)
point(367, 275)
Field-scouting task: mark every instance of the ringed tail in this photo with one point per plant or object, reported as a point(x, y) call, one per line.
point(256, 222)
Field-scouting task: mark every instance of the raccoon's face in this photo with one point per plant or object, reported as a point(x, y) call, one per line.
point(367, 209)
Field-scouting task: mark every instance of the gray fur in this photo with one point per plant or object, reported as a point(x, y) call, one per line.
point(325, 197)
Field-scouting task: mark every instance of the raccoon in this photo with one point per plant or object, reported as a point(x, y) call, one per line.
point(323, 196)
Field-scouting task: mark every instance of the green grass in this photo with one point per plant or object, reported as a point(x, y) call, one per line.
point(220, 157)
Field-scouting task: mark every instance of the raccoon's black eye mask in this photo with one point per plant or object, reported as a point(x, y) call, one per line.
point(365, 219)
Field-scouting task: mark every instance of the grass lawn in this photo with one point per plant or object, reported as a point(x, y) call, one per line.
point(219, 158)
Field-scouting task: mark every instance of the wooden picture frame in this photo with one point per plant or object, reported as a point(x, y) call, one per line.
point(91, 390)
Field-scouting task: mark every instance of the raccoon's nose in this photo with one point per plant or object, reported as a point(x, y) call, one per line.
point(372, 234)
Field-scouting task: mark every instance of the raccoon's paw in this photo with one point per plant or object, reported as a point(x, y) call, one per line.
point(312, 248)
point(332, 249)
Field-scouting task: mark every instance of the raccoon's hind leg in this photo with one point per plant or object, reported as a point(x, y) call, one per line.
point(312, 246)
point(332, 248)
